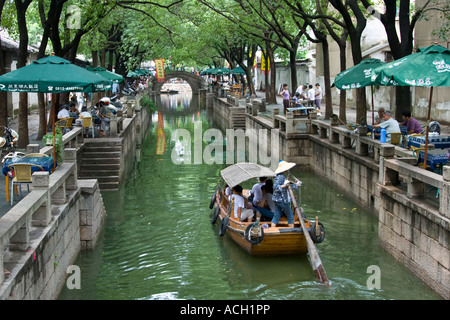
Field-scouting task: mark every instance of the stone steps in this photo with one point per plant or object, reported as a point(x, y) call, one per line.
point(101, 160)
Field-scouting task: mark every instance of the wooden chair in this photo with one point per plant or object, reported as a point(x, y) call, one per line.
point(35, 155)
point(88, 122)
point(396, 137)
point(22, 175)
point(65, 124)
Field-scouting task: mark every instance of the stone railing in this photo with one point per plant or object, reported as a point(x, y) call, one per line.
point(34, 210)
point(364, 146)
point(288, 124)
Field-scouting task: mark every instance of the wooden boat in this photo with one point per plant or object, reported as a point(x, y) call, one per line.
point(251, 236)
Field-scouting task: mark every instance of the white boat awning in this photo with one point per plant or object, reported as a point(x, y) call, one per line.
point(240, 172)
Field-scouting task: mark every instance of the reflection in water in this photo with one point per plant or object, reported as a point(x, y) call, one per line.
point(158, 241)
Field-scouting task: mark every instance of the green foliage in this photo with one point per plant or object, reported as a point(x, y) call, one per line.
point(148, 103)
point(59, 147)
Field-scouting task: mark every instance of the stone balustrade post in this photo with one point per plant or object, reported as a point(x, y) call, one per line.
point(130, 108)
point(33, 148)
point(70, 155)
point(387, 176)
point(334, 136)
point(255, 108)
point(113, 126)
point(444, 195)
point(43, 215)
point(362, 148)
point(290, 126)
point(209, 100)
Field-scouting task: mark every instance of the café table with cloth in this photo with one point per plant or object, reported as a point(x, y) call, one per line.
point(439, 141)
point(45, 163)
point(435, 159)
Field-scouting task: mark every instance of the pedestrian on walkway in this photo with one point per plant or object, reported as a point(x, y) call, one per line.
point(318, 97)
point(311, 96)
point(286, 97)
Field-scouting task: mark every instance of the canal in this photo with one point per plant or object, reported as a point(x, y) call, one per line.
point(158, 241)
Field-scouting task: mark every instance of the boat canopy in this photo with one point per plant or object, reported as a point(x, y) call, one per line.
point(240, 172)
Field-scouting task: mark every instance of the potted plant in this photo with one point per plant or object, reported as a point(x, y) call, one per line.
point(48, 140)
point(334, 119)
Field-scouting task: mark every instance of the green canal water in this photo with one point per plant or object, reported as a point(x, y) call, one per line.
point(158, 242)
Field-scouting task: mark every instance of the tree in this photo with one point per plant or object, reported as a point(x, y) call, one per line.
point(355, 23)
point(21, 9)
point(401, 39)
point(3, 95)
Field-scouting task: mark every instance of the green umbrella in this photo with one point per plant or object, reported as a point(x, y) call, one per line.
point(429, 67)
point(114, 77)
point(132, 74)
point(53, 75)
point(220, 71)
point(237, 70)
point(207, 71)
point(358, 76)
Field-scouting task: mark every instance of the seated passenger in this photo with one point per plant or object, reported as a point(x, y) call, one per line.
point(266, 206)
point(256, 194)
point(241, 210)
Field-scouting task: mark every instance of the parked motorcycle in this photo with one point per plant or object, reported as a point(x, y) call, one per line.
point(8, 144)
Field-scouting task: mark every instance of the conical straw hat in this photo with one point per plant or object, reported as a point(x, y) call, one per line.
point(284, 166)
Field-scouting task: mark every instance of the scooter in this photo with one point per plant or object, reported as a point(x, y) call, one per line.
point(8, 144)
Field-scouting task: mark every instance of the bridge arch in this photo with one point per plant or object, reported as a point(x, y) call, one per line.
point(194, 81)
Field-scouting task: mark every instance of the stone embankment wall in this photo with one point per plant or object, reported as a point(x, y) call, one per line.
point(41, 237)
point(385, 180)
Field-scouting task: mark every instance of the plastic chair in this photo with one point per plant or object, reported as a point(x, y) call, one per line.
point(35, 155)
point(22, 175)
point(88, 122)
point(64, 124)
point(396, 137)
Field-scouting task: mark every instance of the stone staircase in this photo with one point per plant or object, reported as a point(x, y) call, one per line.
point(101, 159)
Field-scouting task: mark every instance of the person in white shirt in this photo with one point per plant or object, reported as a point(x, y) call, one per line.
point(311, 96)
point(390, 124)
point(241, 211)
point(256, 190)
point(63, 112)
point(318, 96)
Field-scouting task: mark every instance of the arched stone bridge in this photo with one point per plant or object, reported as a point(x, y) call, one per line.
point(196, 82)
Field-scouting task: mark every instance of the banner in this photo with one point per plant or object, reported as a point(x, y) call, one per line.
point(159, 66)
point(264, 61)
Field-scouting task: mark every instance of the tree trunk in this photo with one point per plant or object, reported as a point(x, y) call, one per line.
point(273, 77)
point(293, 67)
point(343, 93)
point(326, 74)
point(3, 95)
point(21, 8)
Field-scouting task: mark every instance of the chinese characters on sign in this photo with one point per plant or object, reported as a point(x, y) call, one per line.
point(159, 66)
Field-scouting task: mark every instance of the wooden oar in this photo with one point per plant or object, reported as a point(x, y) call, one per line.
point(316, 263)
